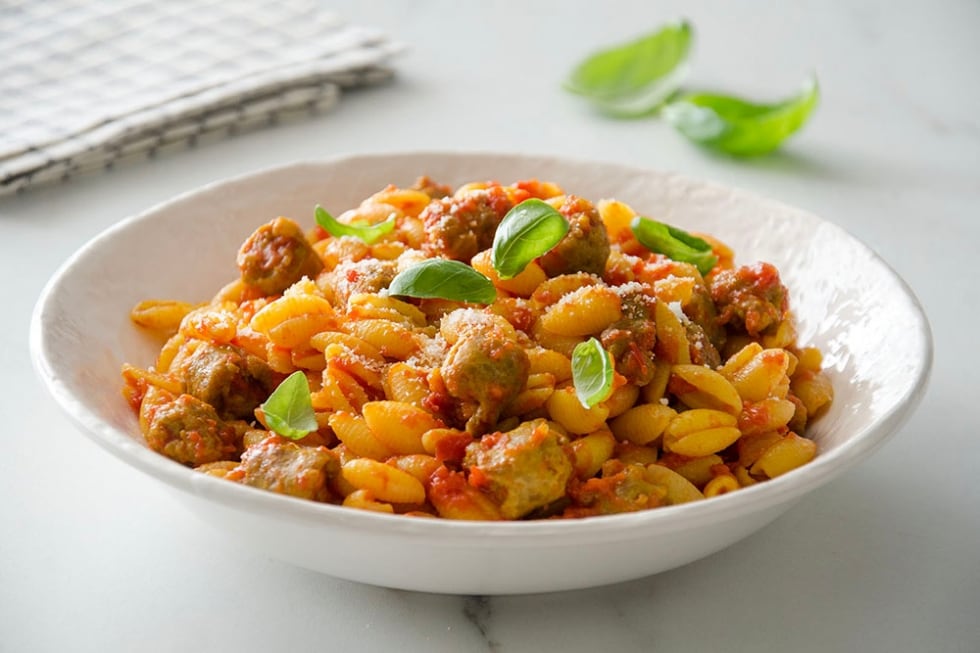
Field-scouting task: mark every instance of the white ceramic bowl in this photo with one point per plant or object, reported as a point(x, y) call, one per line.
point(847, 301)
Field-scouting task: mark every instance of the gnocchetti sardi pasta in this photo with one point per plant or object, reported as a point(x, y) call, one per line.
point(435, 405)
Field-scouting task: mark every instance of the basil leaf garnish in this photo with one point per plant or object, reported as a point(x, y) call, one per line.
point(737, 126)
point(635, 78)
point(528, 231)
point(443, 279)
point(368, 232)
point(289, 410)
point(592, 372)
point(674, 243)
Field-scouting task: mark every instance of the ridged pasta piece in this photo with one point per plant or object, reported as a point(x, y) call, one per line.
point(353, 431)
point(364, 500)
point(700, 387)
point(814, 390)
point(160, 315)
point(721, 484)
point(522, 284)
point(392, 338)
point(678, 489)
point(217, 323)
point(407, 200)
point(384, 482)
point(366, 370)
point(403, 382)
point(582, 312)
point(288, 307)
point(622, 399)
point(761, 376)
point(590, 451)
point(698, 470)
point(565, 408)
point(672, 344)
point(699, 432)
point(643, 424)
point(790, 452)
point(551, 362)
point(769, 414)
point(365, 306)
point(421, 466)
point(399, 426)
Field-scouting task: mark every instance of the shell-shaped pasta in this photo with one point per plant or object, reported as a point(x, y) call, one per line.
point(407, 200)
point(679, 489)
point(721, 484)
point(672, 344)
point(564, 345)
point(698, 470)
point(565, 408)
point(622, 399)
point(366, 306)
point(364, 500)
point(385, 482)
point(700, 387)
point(674, 289)
point(657, 388)
point(357, 345)
point(629, 453)
point(534, 395)
point(334, 250)
point(160, 314)
point(767, 415)
point(219, 324)
point(550, 362)
point(420, 466)
point(814, 390)
point(392, 338)
point(555, 288)
point(763, 375)
point(353, 431)
point(366, 371)
point(287, 307)
point(585, 311)
point(522, 284)
point(399, 426)
point(590, 451)
point(700, 432)
point(616, 216)
point(790, 452)
point(406, 383)
point(296, 331)
point(643, 424)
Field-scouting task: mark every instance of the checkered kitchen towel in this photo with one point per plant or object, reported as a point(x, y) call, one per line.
point(84, 84)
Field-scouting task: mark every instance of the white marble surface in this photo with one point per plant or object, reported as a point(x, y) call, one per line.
point(96, 557)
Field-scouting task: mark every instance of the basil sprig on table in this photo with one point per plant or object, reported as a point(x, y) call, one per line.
point(592, 372)
point(366, 232)
point(635, 78)
point(740, 127)
point(528, 231)
point(644, 75)
point(288, 410)
point(438, 278)
point(674, 243)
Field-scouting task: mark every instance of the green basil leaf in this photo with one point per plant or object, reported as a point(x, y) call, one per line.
point(740, 127)
point(289, 410)
point(367, 232)
point(528, 231)
point(592, 372)
point(635, 78)
point(443, 279)
point(674, 243)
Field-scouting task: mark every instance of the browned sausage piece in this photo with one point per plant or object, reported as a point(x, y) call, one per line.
point(460, 227)
point(276, 256)
point(189, 431)
point(234, 382)
point(585, 248)
point(750, 297)
point(631, 339)
point(523, 469)
point(288, 468)
point(487, 367)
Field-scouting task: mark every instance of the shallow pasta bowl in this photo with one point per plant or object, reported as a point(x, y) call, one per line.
point(847, 302)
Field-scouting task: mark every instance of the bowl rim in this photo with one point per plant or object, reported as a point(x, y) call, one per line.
point(780, 490)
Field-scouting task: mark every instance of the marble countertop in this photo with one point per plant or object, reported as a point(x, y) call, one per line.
point(97, 557)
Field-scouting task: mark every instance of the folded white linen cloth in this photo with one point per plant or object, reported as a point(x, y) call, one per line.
point(84, 84)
